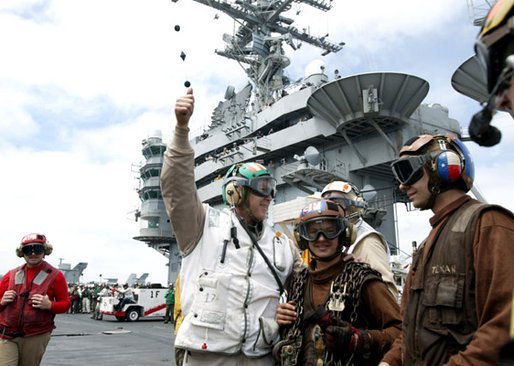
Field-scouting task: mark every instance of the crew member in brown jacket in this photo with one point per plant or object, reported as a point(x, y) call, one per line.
point(457, 297)
point(339, 312)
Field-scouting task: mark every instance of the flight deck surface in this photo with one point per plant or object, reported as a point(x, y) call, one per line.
point(80, 340)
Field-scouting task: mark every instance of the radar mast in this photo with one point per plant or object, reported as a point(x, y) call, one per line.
point(257, 44)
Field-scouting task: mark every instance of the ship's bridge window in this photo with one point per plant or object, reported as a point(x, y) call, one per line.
point(151, 222)
point(154, 150)
point(149, 173)
point(151, 194)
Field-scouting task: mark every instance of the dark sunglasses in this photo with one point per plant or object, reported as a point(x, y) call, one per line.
point(409, 169)
point(33, 249)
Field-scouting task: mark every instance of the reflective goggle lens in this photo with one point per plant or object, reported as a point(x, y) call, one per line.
point(29, 249)
point(331, 228)
point(408, 170)
point(345, 202)
point(263, 186)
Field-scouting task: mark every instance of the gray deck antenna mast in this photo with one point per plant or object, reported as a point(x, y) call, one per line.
point(258, 41)
point(478, 10)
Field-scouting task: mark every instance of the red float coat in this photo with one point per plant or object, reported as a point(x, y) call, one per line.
point(20, 318)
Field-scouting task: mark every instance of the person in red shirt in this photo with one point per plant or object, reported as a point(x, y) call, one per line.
point(30, 296)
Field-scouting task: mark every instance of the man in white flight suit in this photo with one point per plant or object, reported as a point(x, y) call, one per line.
point(233, 264)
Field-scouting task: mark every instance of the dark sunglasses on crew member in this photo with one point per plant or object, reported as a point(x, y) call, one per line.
point(33, 249)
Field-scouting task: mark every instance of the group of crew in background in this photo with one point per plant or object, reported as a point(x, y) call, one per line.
point(86, 298)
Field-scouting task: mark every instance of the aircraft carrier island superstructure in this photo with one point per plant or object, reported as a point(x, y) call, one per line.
point(154, 225)
point(310, 132)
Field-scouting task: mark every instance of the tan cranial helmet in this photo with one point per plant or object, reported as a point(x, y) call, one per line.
point(351, 199)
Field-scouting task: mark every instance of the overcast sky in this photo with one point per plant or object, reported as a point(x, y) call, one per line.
point(82, 82)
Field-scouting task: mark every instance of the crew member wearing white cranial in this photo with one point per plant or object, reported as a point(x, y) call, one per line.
point(370, 245)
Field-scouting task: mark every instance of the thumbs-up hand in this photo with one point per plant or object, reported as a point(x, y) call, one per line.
point(184, 108)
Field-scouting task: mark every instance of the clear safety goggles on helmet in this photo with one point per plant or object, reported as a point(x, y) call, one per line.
point(260, 186)
point(330, 227)
point(36, 249)
point(409, 169)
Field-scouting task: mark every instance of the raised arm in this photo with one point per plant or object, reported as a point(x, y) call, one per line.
point(178, 187)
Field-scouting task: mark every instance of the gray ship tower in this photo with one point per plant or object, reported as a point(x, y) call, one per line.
point(306, 132)
point(314, 130)
point(154, 225)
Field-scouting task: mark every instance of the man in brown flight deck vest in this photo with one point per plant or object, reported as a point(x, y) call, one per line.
point(457, 298)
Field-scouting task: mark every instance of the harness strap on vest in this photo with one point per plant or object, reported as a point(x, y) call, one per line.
point(266, 259)
point(345, 292)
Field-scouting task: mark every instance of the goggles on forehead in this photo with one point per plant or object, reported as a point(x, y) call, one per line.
point(409, 169)
point(330, 227)
point(36, 249)
point(346, 202)
point(260, 186)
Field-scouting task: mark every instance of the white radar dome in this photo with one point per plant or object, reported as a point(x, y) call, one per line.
point(156, 134)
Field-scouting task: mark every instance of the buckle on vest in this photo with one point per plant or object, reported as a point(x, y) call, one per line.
point(4, 332)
